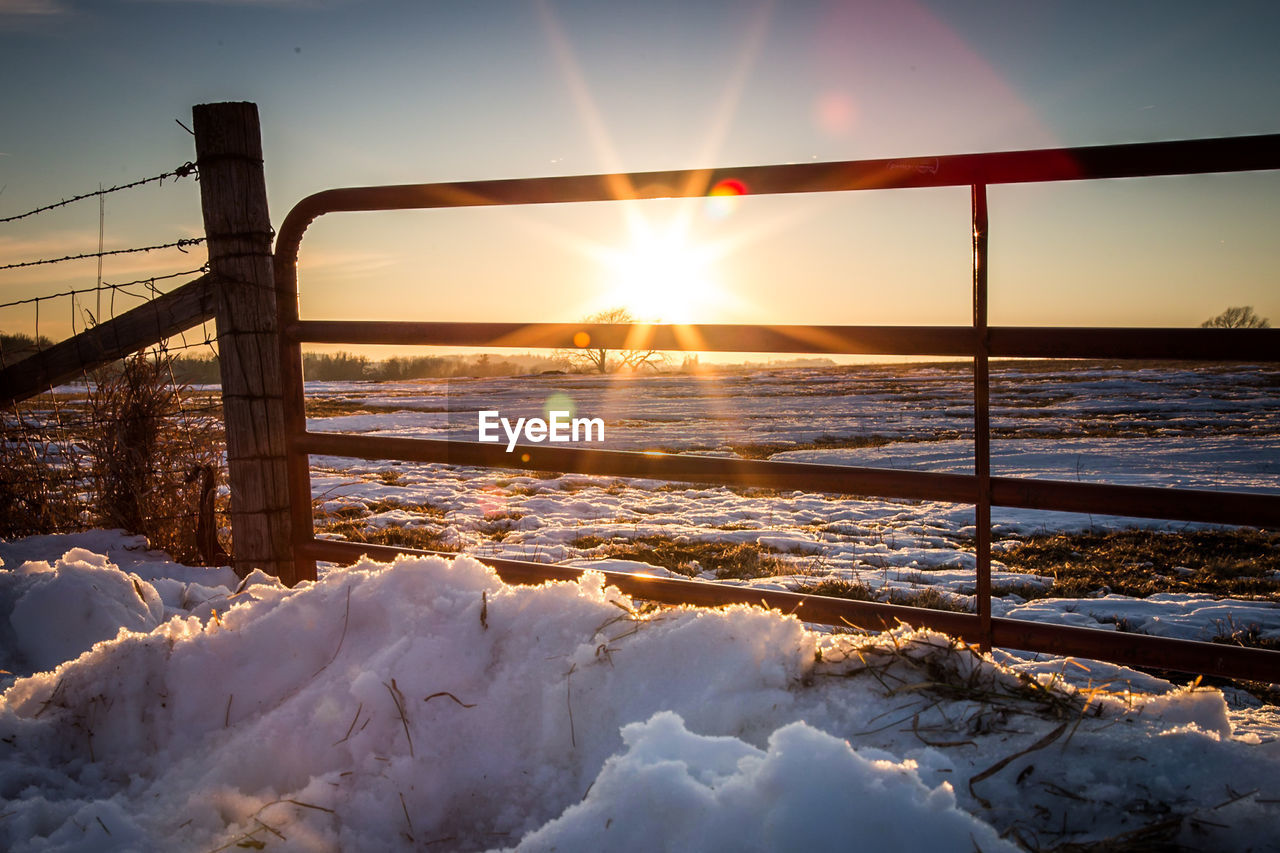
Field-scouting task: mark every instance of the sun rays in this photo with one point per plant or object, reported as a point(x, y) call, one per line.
point(661, 270)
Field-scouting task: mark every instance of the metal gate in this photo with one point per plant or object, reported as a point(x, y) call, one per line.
point(977, 341)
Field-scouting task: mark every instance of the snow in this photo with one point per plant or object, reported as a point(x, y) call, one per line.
point(806, 790)
point(900, 404)
point(1184, 616)
point(59, 611)
point(425, 703)
point(1178, 426)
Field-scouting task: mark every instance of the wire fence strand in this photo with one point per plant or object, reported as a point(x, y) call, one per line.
point(148, 282)
point(177, 244)
point(182, 171)
point(135, 444)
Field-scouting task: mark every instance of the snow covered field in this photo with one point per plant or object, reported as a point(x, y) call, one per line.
point(154, 706)
point(1189, 427)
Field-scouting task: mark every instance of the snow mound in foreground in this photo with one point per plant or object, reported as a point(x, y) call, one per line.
point(806, 791)
point(427, 703)
point(58, 611)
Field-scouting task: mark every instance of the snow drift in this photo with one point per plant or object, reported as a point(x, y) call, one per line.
point(427, 703)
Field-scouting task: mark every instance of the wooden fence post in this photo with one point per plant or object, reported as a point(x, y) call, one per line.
point(233, 196)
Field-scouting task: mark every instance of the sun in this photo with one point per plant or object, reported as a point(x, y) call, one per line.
point(662, 274)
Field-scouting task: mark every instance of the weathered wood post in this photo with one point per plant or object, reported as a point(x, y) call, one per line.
point(233, 196)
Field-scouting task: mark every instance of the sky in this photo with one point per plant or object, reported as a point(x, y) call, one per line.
point(381, 92)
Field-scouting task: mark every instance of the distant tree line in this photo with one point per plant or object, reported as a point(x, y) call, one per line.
point(348, 367)
point(18, 346)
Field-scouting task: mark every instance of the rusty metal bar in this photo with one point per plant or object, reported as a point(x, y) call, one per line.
point(1179, 655)
point(881, 340)
point(981, 416)
point(1212, 507)
point(1144, 159)
point(1258, 345)
point(297, 462)
point(835, 479)
point(1220, 659)
point(1203, 505)
point(811, 608)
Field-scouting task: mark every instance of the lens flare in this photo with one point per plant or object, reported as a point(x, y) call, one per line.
point(723, 198)
point(559, 402)
point(729, 186)
point(835, 113)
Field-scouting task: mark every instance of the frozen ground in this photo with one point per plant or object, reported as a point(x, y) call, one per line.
point(153, 706)
point(428, 706)
point(1185, 426)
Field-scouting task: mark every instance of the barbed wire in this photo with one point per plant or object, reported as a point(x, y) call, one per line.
point(205, 400)
point(149, 282)
point(182, 171)
point(58, 428)
point(206, 342)
point(177, 244)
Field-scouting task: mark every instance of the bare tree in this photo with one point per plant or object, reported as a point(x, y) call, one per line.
point(595, 359)
point(1237, 318)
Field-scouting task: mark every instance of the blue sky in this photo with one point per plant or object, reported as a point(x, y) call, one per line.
point(393, 92)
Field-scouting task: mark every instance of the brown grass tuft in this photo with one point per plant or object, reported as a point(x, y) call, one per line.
point(729, 560)
point(927, 597)
point(118, 458)
point(1227, 562)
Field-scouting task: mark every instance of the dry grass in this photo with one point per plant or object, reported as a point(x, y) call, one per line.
point(39, 481)
point(729, 560)
point(351, 523)
point(391, 505)
point(927, 597)
point(763, 450)
point(391, 477)
point(328, 407)
point(1235, 563)
point(122, 461)
point(405, 536)
point(497, 525)
point(363, 509)
point(988, 699)
point(513, 489)
point(1247, 635)
point(143, 448)
point(904, 662)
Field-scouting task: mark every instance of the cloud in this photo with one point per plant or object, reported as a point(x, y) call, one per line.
point(298, 4)
point(26, 14)
point(50, 278)
point(341, 262)
point(31, 14)
point(16, 249)
point(31, 9)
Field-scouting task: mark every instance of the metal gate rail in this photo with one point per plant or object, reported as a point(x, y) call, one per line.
point(977, 341)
